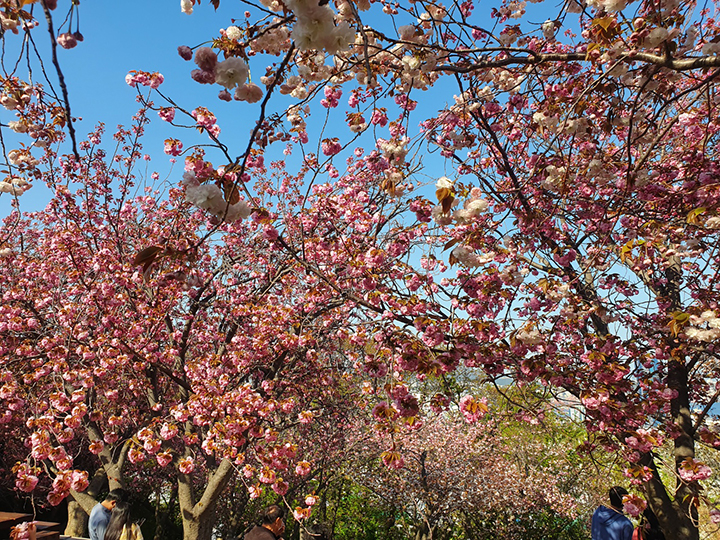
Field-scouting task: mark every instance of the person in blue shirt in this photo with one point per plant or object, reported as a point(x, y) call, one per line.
point(610, 523)
point(100, 515)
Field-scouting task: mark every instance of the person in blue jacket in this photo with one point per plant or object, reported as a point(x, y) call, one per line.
point(610, 523)
point(100, 515)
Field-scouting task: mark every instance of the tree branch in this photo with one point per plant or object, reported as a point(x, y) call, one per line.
point(61, 80)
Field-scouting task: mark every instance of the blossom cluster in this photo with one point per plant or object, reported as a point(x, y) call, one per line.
point(315, 27)
point(705, 327)
point(231, 73)
point(473, 409)
point(692, 470)
point(211, 198)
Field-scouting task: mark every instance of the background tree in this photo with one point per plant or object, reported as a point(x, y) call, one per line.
point(446, 477)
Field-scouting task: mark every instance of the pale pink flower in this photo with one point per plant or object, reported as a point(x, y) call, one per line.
point(167, 114)
point(302, 468)
point(152, 446)
point(473, 409)
point(79, 480)
point(231, 72)
point(66, 435)
point(64, 464)
point(249, 92)
point(186, 465)
point(56, 497)
point(168, 431)
point(267, 476)
point(22, 531)
point(26, 482)
point(164, 458)
point(203, 117)
point(67, 40)
point(280, 487)
point(96, 446)
point(206, 59)
point(203, 77)
point(330, 147)
point(692, 470)
point(214, 130)
point(392, 459)
point(135, 455)
point(634, 505)
point(62, 482)
point(156, 79)
point(186, 6)
point(301, 513)
point(173, 147)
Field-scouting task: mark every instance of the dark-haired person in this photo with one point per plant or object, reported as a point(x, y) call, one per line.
point(271, 527)
point(610, 523)
point(121, 525)
point(100, 515)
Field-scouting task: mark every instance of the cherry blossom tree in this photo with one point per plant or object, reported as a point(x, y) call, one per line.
point(570, 238)
point(447, 474)
point(127, 337)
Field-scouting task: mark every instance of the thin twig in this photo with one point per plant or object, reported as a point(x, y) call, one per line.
point(61, 80)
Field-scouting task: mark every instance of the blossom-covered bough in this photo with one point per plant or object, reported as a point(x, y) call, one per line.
point(570, 237)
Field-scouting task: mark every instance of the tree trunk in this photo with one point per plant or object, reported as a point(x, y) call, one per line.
point(677, 516)
point(198, 518)
point(81, 504)
point(423, 533)
point(199, 528)
point(77, 520)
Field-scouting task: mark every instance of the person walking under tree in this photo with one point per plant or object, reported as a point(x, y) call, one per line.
point(610, 523)
point(100, 515)
point(121, 526)
point(271, 527)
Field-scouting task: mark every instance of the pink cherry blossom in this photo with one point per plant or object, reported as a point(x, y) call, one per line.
point(186, 465)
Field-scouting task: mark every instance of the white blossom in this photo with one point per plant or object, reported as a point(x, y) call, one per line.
point(439, 217)
point(656, 37)
point(548, 29)
point(713, 222)
point(210, 197)
point(233, 32)
point(231, 72)
point(18, 127)
point(444, 183)
point(186, 6)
